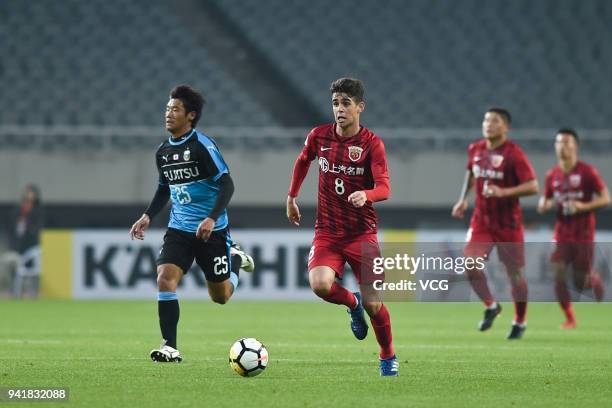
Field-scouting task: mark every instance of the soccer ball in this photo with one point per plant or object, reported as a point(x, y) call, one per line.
point(248, 357)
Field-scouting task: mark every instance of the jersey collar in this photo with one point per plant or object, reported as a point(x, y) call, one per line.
point(181, 139)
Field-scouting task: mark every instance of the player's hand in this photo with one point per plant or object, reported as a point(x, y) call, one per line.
point(293, 211)
point(544, 205)
point(139, 227)
point(493, 191)
point(459, 209)
point(205, 229)
point(358, 199)
point(576, 207)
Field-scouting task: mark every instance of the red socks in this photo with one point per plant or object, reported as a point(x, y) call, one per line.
point(340, 296)
point(381, 323)
point(519, 295)
point(564, 300)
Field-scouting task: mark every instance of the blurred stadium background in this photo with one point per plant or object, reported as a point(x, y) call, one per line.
point(84, 85)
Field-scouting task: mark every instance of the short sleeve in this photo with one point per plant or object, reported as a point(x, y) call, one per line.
point(548, 189)
point(596, 180)
point(310, 148)
point(522, 168)
point(211, 159)
point(378, 161)
point(470, 153)
point(162, 179)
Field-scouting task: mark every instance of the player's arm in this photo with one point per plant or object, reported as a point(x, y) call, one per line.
point(380, 174)
point(524, 189)
point(462, 204)
point(300, 170)
point(546, 201)
point(602, 198)
point(160, 198)
point(159, 201)
point(213, 165)
point(526, 176)
point(226, 191)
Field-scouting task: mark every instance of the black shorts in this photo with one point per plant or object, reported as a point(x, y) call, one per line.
point(213, 256)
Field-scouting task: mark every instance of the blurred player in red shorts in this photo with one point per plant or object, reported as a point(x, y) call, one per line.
point(577, 190)
point(352, 176)
point(501, 173)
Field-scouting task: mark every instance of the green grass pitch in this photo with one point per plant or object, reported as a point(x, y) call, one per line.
point(100, 351)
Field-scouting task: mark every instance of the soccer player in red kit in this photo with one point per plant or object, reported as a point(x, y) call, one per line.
point(352, 176)
point(576, 189)
point(501, 173)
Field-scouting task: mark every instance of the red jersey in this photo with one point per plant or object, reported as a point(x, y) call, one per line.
point(346, 165)
point(505, 166)
point(579, 184)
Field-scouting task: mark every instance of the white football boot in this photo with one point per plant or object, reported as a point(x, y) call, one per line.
point(166, 354)
point(247, 264)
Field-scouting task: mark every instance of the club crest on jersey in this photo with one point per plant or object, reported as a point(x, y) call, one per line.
point(186, 155)
point(496, 160)
point(355, 153)
point(175, 156)
point(574, 180)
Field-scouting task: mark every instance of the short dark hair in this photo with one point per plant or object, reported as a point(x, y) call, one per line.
point(192, 100)
point(352, 87)
point(503, 113)
point(568, 131)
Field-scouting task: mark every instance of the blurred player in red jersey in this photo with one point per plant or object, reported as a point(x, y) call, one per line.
point(501, 173)
point(577, 190)
point(352, 176)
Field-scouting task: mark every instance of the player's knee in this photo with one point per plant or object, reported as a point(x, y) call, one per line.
point(166, 283)
point(321, 288)
point(221, 298)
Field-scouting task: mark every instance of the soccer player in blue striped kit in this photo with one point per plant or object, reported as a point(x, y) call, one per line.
point(193, 174)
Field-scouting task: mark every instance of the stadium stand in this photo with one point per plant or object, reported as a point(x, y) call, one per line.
point(108, 63)
point(440, 63)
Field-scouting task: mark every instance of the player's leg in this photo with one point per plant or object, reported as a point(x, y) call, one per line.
point(585, 277)
point(360, 254)
point(168, 277)
point(478, 245)
point(563, 295)
point(220, 267)
point(511, 253)
point(559, 260)
point(174, 260)
point(325, 263)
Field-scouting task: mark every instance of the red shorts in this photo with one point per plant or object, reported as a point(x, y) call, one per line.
point(358, 251)
point(578, 254)
point(509, 242)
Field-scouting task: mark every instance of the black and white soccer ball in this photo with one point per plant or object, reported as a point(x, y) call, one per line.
point(248, 357)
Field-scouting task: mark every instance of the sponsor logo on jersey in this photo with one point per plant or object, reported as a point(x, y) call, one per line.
point(574, 180)
point(340, 168)
point(487, 173)
point(182, 174)
point(562, 197)
point(324, 164)
point(325, 148)
point(496, 160)
point(186, 155)
point(355, 153)
point(175, 156)
point(165, 158)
